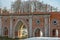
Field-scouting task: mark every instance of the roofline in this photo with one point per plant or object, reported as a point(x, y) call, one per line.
point(21, 14)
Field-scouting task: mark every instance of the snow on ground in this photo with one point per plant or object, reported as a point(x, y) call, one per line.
point(43, 38)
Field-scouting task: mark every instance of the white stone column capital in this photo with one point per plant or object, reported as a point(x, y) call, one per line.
point(11, 17)
point(30, 16)
point(45, 16)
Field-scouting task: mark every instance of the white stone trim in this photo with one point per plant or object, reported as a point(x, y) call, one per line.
point(11, 29)
point(20, 17)
point(49, 26)
point(30, 26)
point(56, 32)
point(56, 22)
point(46, 24)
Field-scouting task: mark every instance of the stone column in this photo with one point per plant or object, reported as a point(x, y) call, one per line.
point(46, 25)
point(11, 29)
point(30, 26)
point(0, 27)
point(56, 32)
point(49, 25)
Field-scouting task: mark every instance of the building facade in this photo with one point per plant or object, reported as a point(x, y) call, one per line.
point(30, 19)
point(33, 24)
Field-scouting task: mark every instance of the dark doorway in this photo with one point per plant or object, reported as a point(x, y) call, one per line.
point(6, 31)
point(37, 33)
point(54, 33)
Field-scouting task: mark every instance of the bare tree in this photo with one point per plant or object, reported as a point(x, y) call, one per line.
point(16, 5)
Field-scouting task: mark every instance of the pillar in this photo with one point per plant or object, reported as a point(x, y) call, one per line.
point(56, 32)
point(49, 25)
point(46, 25)
point(11, 29)
point(30, 26)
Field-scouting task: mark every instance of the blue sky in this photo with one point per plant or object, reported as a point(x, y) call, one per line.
point(54, 3)
point(7, 3)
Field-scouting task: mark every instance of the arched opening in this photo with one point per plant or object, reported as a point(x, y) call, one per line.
point(6, 31)
point(55, 33)
point(38, 33)
point(21, 30)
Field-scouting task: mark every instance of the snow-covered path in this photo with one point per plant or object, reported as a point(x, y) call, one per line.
point(43, 38)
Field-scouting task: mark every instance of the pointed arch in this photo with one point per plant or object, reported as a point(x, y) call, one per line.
point(55, 32)
point(38, 32)
point(22, 21)
point(21, 29)
point(5, 31)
